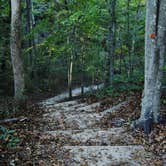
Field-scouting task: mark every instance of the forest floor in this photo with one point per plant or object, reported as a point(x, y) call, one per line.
point(84, 132)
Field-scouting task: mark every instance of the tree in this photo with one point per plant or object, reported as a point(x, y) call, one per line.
point(129, 39)
point(49, 56)
point(17, 63)
point(155, 49)
point(111, 42)
point(30, 23)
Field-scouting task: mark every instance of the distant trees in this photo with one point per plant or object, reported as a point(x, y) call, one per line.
point(76, 43)
point(111, 43)
point(18, 71)
point(155, 50)
point(30, 23)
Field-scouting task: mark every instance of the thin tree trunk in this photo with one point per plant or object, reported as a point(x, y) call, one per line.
point(31, 41)
point(71, 40)
point(82, 73)
point(120, 57)
point(112, 39)
point(3, 58)
point(28, 27)
point(120, 54)
point(129, 39)
point(4, 42)
point(107, 68)
point(111, 43)
point(70, 76)
point(17, 63)
point(133, 36)
point(71, 58)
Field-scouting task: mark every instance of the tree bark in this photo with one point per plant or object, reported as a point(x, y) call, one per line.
point(155, 49)
point(70, 75)
point(17, 63)
point(71, 40)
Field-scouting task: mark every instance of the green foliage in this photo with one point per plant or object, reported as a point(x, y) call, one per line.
point(116, 91)
point(122, 84)
point(55, 42)
point(8, 138)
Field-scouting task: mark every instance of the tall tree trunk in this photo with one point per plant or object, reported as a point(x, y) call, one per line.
point(120, 54)
point(71, 40)
point(29, 27)
point(129, 39)
point(107, 67)
point(31, 41)
point(111, 42)
point(133, 36)
point(71, 58)
point(4, 38)
point(155, 49)
point(70, 75)
point(82, 72)
point(16, 48)
point(120, 58)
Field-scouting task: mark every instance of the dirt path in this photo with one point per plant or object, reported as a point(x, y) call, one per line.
point(80, 139)
point(75, 92)
point(85, 133)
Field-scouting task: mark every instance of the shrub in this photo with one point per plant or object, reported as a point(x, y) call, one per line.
point(8, 138)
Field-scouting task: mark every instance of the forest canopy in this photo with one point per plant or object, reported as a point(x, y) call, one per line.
point(55, 32)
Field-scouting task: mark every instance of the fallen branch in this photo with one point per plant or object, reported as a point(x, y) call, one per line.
point(14, 120)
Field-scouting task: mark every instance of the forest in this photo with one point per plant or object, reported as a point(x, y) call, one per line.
point(82, 83)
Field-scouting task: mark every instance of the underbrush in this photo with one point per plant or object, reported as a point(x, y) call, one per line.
point(118, 89)
point(8, 138)
point(121, 84)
